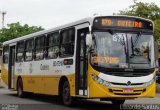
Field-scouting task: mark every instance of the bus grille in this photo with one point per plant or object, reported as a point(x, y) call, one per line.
point(124, 84)
point(127, 94)
point(120, 92)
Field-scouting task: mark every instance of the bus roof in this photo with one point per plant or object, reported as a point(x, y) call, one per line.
point(85, 20)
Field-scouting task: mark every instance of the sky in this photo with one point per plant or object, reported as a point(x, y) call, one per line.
point(52, 13)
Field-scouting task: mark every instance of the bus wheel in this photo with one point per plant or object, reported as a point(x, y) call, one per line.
point(66, 98)
point(118, 102)
point(20, 92)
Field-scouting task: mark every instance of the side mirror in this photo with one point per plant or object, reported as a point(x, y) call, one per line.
point(89, 40)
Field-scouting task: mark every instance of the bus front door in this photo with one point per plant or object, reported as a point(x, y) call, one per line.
point(11, 67)
point(81, 63)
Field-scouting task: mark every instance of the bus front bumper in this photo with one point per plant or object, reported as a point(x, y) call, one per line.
point(99, 91)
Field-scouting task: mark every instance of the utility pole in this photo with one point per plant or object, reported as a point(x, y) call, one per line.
point(3, 14)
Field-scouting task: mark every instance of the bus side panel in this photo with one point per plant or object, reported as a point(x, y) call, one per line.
point(4, 74)
point(51, 84)
point(38, 83)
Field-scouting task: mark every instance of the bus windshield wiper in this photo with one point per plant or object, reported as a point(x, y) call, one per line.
point(135, 42)
point(136, 39)
point(123, 43)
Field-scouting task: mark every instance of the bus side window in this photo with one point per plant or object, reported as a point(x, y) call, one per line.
point(20, 51)
point(28, 55)
point(53, 40)
point(39, 47)
point(67, 42)
point(5, 54)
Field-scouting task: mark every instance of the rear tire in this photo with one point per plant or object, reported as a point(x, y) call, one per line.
point(20, 92)
point(66, 97)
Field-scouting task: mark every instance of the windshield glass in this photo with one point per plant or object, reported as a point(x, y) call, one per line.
point(122, 50)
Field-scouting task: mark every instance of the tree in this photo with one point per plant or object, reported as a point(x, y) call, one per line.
point(15, 30)
point(146, 10)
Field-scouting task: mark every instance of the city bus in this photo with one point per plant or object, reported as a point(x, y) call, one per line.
point(110, 58)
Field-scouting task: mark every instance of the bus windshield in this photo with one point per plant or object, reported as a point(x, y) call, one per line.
point(122, 50)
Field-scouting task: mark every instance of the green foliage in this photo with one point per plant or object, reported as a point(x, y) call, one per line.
point(15, 30)
point(146, 10)
point(157, 29)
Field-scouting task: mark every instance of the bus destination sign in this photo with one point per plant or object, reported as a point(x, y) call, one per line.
point(122, 22)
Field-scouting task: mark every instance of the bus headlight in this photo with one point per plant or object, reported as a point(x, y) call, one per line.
point(99, 80)
point(149, 83)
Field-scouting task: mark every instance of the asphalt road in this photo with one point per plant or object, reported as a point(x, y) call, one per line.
point(10, 101)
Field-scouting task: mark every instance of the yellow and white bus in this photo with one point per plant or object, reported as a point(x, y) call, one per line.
point(106, 57)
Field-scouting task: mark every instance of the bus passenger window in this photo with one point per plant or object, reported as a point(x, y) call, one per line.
point(29, 50)
point(5, 54)
point(39, 48)
point(67, 42)
point(20, 50)
point(53, 45)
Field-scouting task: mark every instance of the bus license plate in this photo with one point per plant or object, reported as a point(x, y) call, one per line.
point(128, 90)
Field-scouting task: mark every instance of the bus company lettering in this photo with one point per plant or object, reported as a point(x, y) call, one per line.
point(44, 67)
point(58, 63)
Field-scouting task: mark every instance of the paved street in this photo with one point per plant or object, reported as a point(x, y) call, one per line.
point(41, 102)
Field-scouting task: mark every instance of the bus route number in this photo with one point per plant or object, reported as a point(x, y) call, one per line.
point(118, 38)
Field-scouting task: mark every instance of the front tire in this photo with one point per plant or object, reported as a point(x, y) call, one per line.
point(66, 97)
